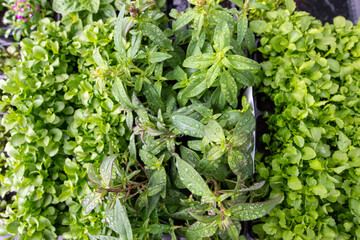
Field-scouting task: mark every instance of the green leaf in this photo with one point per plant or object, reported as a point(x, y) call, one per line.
point(66, 6)
point(252, 211)
point(290, 5)
point(118, 221)
point(241, 63)
point(229, 89)
point(91, 201)
point(183, 20)
point(196, 86)
point(201, 230)
point(214, 132)
point(156, 35)
point(99, 60)
point(242, 27)
point(258, 26)
point(237, 161)
point(206, 218)
point(101, 237)
point(188, 126)
point(149, 159)
point(189, 156)
point(70, 167)
point(215, 152)
point(91, 5)
point(308, 153)
point(299, 141)
point(246, 123)
point(344, 142)
point(155, 57)
point(232, 230)
point(212, 74)
point(200, 61)
point(17, 139)
point(106, 169)
point(221, 35)
point(12, 227)
point(39, 53)
point(192, 179)
point(118, 38)
point(120, 94)
point(294, 183)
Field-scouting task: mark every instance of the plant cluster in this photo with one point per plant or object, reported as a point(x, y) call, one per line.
point(129, 124)
point(311, 73)
point(88, 11)
point(23, 16)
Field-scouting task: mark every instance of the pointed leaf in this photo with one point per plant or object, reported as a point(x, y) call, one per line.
point(221, 35)
point(120, 94)
point(237, 161)
point(118, 221)
point(118, 38)
point(99, 60)
point(196, 86)
point(201, 230)
point(106, 169)
point(155, 57)
point(200, 61)
point(188, 126)
point(183, 20)
point(252, 211)
point(242, 27)
point(206, 218)
point(192, 179)
point(215, 152)
point(229, 89)
point(214, 132)
point(241, 63)
point(212, 74)
point(91, 201)
point(156, 35)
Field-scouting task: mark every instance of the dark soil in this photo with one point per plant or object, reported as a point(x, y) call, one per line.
point(325, 10)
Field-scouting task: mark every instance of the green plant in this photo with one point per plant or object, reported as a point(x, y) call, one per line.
point(87, 11)
point(23, 16)
point(124, 113)
point(311, 74)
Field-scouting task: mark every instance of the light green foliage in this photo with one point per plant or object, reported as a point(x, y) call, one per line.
point(117, 132)
point(310, 76)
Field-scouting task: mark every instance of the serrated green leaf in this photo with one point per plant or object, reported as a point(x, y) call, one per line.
point(192, 179)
